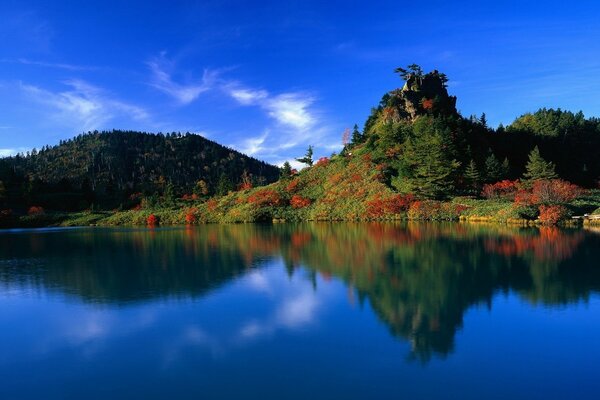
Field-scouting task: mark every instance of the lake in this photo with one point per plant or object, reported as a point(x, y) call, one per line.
point(318, 311)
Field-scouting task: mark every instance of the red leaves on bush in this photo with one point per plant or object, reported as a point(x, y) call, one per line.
point(211, 205)
point(427, 104)
point(379, 207)
point(189, 197)
point(190, 216)
point(501, 190)
point(551, 215)
point(265, 197)
point(548, 191)
point(323, 161)
point(298, 201)
point(35, 210)
point(152, 220)
point(292, 186)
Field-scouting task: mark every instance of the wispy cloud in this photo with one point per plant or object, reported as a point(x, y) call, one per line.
point(185, 93)
point(87, 105)
point(64, 66)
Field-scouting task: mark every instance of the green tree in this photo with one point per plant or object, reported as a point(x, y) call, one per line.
point(224, 185)
point(427, 167)
point(493, 168)
point(538, 168)
point(2, 192)
point(285, 171)
point(308, 157)
point(505, 168)
point(473, 178)
point(356, 136)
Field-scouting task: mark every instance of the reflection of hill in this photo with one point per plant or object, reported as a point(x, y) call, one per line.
point(419, 279)
point(119, 265)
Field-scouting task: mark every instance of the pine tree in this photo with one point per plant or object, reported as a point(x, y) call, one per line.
point(537, 168)
point(473, 178)
point(224, 185)
point(356, 136)
point(308, 158)
point(493, 168)
point(427, 169)
point(2, 192)
point(505, 168)
point(285, 171)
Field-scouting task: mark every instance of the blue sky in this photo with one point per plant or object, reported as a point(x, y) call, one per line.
point(269, 78)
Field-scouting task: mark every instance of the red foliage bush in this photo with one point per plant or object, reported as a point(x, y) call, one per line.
point(551, 215)
point(323, 161)
point(379, 207)
point(427, 104)
point(298, 201)
point(292, 186)
point(501, 190)
point(548, 191)
point(152, 220)
point(265, 197)
point(35, 210)
point(190, 216)
point(211, 205)
point(554, 191)
point(245, 186)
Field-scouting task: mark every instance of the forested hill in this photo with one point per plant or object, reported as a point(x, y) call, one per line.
point(107, 169)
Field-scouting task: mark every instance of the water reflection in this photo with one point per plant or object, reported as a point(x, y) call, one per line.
point(419, 279)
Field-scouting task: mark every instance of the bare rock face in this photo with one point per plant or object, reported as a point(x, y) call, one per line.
point(423, 94)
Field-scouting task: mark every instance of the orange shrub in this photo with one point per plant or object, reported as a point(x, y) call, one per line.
point(551, 215)
point(298, 201)
point(379, 207)
point(323, 161)
point(35, 210)
point(293, 186)
point(554, 191)
point(211, 204)
point(152, 220)
point(265, 197)
point(501, 190)
point(427, 103)
point(190, 216)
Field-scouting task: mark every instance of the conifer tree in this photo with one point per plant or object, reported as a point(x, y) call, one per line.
point(505, 168)
point(356, 136)
point(308, 157)
point(285, 171)
point(537, 168)
point(427, 168)
point(224, 185)
point(493, 168)
point(473, 178)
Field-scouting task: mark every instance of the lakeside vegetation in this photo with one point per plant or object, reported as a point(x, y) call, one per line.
point(416, 158)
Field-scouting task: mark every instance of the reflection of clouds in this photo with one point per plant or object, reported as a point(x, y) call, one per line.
point(292, 305)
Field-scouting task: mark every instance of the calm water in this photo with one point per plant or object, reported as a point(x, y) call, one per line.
point(300, 311)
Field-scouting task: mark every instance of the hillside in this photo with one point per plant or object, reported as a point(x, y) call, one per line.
point(113, 169)
point(416, 158)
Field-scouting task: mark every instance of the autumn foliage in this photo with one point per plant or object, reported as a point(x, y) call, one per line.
point(378, 207)
point(265, 197)
point(551, 215)
point(550, 191)
point(501, 190)
point(35, 210)
point(152, 220)
point(298, 201)
point(190, 216)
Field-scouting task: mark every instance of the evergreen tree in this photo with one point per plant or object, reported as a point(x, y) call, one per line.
point(493, 168)
point(224, 185)
point(2, 192)
point(356, 136)
point(538, 168)
point(473, 178)
point(308, 157)
point(285, 171)
point(427, 169)
point(505, 168)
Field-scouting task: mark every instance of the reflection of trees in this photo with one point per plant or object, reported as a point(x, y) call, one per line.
point(418, 278)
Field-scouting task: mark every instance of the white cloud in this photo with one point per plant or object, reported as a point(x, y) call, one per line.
point(65, 66)
point(13, 151)
point(89, 106)
point(162, 80)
